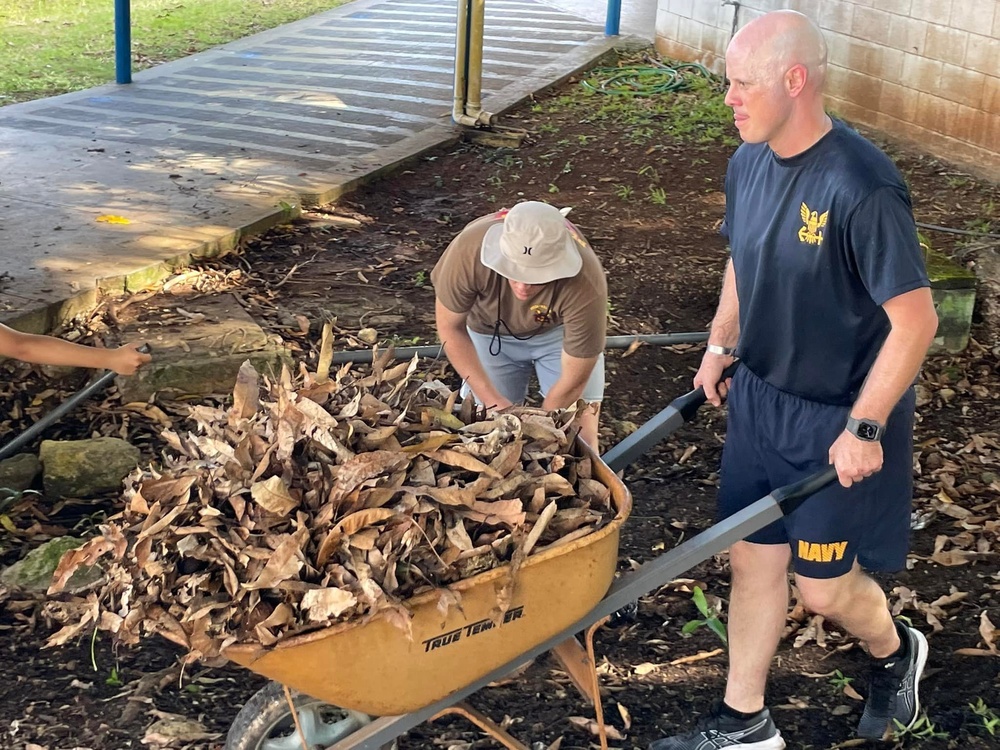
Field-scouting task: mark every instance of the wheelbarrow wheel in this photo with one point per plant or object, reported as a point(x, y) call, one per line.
point(266, 723)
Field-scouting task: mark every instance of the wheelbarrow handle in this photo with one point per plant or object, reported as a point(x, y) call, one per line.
point(681, 410)
point(791, 496)
point(648, 577)
point(32, 432)
point(690, 402)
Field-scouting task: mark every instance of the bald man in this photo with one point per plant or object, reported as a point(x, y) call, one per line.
point(826, 302)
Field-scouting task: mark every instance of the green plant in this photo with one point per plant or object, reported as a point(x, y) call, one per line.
point(840, 681)
point(624, 192)
point(420, 278)
point(922, 729)
point(648, 171)
point(989, 718)
point(553, 188)
point(113, 679)
point(709, 618)
point(396, 340)
point(548, 127)
point(979, 224)
point(658, 196)
point(90, 524)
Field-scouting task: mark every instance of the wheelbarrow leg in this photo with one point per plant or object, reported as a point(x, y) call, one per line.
point(581, 666)
point(573, 658)
point(485, 723)
point(602, 731)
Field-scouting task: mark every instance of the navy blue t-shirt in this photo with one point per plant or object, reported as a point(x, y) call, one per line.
point(819, 241)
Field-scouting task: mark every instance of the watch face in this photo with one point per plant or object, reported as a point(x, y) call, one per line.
point(867, 431)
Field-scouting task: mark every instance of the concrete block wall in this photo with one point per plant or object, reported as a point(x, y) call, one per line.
point(927, 71)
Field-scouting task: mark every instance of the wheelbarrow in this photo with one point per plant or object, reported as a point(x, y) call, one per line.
point(340, 678)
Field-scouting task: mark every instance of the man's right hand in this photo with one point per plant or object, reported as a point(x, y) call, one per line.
point(709, 376)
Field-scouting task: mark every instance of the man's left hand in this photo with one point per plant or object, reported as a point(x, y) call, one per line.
point(855, 459)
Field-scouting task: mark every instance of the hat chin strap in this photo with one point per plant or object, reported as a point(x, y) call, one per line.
point(495, 340)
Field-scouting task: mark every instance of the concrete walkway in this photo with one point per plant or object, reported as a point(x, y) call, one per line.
point(202, 151)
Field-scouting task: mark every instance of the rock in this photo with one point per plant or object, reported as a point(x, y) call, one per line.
point(368, 335)
point(624, 428)
point(79, 468)
point(34, 572)
point(18, 473)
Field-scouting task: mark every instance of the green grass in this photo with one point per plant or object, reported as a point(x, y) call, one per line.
point(50, 47)
point(697, 114)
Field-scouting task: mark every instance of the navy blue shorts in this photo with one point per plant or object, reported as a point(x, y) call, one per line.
point(774, 438)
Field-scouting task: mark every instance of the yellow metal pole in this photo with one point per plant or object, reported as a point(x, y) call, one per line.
point(473, 100)
point(467, 107)
point(461, 61)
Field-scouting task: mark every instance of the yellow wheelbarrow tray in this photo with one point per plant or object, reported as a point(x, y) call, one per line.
point(560, 593)
point(372, 666)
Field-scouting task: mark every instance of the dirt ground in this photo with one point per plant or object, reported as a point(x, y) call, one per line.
point(650, 202)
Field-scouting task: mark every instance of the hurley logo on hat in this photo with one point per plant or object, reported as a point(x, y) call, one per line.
point(534, 245)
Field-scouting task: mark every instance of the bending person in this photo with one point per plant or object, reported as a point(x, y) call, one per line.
point(522, 291)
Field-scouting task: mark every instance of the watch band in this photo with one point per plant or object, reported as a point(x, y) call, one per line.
point(725, 351)
point(865, 429)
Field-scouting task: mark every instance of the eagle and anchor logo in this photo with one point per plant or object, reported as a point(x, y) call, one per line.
point(541, 313)
point(813, 222)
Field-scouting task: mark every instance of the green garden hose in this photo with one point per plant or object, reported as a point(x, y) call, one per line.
point(644, 80)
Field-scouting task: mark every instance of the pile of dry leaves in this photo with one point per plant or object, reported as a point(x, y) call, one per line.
point(316, 500)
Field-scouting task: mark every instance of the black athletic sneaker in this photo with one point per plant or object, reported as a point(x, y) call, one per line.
point(717, 730)
point(626, 615)
point(893, 688)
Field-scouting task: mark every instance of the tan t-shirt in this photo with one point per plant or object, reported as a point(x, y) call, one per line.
point(464, 285)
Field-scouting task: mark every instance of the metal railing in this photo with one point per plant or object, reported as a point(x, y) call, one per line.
point(123, 35)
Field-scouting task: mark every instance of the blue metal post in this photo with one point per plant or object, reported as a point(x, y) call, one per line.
point(123, 41)
point(614, 18)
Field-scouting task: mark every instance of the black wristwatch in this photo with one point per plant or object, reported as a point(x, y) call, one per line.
point(865, 429)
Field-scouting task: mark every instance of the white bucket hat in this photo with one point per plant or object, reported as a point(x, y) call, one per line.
point(534, 245)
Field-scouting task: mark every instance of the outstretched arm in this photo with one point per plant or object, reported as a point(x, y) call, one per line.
point(49, 350)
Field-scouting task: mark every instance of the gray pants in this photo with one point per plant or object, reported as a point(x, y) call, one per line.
point(511, 369)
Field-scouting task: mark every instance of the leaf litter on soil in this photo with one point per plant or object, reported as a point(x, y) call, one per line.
point(663, 262)
point(315, 501)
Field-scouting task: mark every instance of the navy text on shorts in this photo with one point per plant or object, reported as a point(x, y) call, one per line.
point(774, 438)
